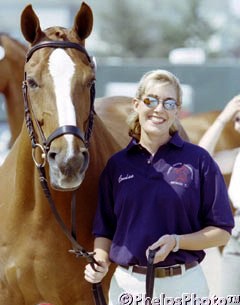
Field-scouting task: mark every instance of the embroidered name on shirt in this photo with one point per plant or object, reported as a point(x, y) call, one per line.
point(127, 177)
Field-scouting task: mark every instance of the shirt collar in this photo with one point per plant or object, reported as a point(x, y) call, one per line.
point(175, 140)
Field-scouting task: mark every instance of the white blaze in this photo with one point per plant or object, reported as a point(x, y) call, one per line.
point(2, 53)
point(62, 68)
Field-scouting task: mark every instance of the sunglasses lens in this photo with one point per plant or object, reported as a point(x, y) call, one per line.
point(170, 104)
point(150, 101)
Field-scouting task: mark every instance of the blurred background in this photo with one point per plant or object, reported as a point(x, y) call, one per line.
point(198, 40)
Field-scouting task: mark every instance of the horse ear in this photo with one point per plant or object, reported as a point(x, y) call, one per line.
point(83, 21)
point(30, 25)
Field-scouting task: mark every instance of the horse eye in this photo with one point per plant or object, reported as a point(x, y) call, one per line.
point(32, 83)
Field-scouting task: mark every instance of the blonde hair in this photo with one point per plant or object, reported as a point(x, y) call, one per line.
point(162, 76)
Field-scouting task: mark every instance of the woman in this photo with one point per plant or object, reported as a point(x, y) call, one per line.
point(229, 163)
point(155, 194)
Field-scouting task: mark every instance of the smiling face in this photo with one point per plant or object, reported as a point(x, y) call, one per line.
point(156, 122)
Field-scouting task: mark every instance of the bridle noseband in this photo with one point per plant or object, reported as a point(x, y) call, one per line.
point(62, 130)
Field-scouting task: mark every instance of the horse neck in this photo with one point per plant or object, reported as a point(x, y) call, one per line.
point(14, 108)
point(13, 92)
point(103, 144)
point(15, 55)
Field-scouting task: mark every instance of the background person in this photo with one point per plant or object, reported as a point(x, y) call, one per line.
point(229, 162)
point(155, 193)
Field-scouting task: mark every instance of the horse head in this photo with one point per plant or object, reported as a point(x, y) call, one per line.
point(58, 94)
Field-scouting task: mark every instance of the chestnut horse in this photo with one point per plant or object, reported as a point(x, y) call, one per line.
point(35, 264)
point(11, 67)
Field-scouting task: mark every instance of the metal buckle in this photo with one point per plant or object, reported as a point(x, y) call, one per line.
point(43, 155)
point(171, 269)
point(183, 268)
point(160, 272)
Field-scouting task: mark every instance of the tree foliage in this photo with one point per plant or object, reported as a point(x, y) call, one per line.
point(152, 28)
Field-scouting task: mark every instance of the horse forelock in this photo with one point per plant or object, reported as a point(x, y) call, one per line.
point(62, 34)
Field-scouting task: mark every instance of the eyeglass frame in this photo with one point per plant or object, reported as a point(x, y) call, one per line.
point(160, 101)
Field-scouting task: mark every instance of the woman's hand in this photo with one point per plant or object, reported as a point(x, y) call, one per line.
point(230, 110)
point(96, 276)
point(165, 244)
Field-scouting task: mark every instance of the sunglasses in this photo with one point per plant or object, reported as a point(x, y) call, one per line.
point(152, 102)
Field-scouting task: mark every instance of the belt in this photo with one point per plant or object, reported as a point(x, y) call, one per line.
point(163, 271)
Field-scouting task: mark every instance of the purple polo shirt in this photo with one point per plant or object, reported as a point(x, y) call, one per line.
point(179, 191)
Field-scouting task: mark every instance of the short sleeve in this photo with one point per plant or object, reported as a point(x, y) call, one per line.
point(215, 209)
point(105, 219)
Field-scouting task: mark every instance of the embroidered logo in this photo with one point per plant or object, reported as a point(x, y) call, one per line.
point(180, 174)
point(127, 177)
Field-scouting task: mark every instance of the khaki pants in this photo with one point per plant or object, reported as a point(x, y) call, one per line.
point(128, 288)
point(230, 271)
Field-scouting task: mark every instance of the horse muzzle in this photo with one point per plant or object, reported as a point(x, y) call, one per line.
point(67, 171)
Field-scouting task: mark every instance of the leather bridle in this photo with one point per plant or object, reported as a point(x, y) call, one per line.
point(78, 250)
point(66, 129)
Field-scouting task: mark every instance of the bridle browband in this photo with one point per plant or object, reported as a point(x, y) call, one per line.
point(78, 250)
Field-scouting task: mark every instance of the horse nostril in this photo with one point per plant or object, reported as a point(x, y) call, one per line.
point(52, 155)
point(85, 155)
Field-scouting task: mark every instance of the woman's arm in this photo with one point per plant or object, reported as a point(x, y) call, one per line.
point(225, 159)
point(206, 238)
point(101, 248)
point(211, 136)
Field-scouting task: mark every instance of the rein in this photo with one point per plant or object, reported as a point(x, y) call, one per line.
point(78, 250)
point(150, 275)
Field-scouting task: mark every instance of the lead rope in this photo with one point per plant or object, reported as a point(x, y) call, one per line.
point(150, 275)
point(96, 287)
point(78, 250)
